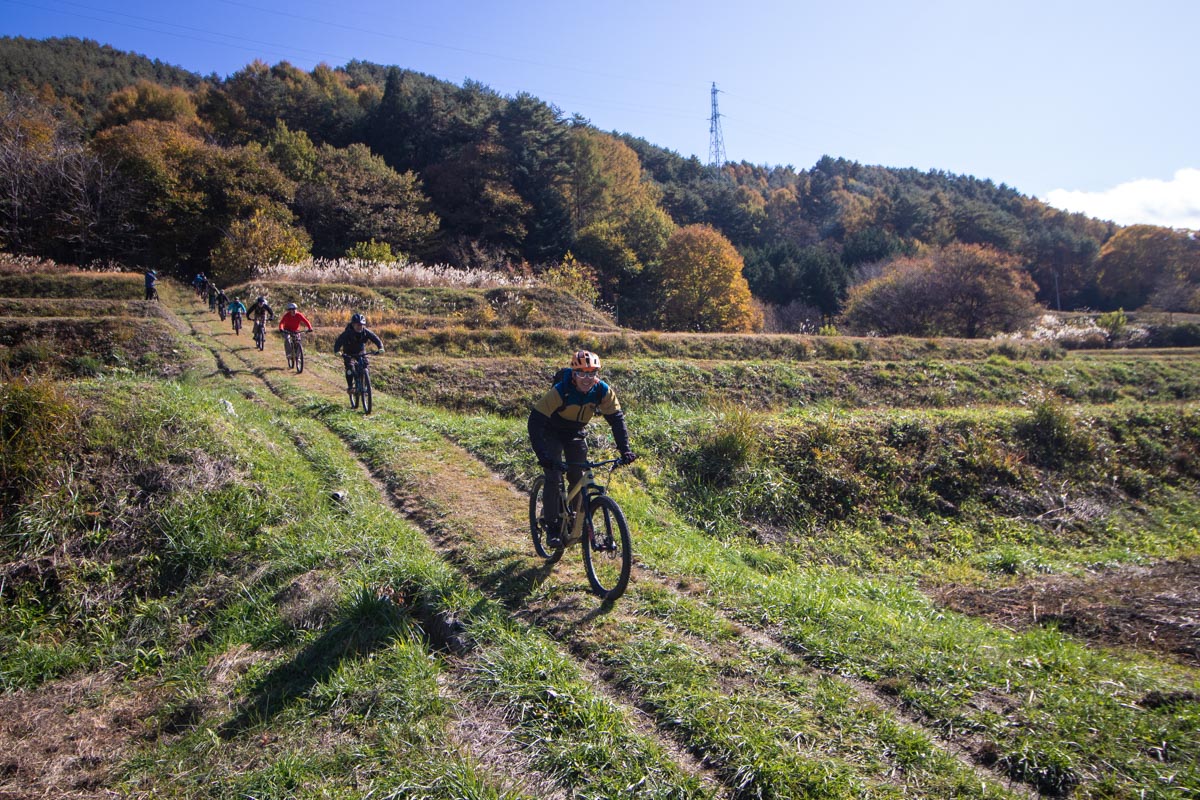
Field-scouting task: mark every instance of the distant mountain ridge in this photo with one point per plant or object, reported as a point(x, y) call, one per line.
point(513, 180)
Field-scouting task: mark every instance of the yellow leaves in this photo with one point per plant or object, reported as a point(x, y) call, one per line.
point(702, 285)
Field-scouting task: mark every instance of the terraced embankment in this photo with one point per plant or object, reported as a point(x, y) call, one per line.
point(734, 666)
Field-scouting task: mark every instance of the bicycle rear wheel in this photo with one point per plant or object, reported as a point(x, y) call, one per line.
point(536, 530)
point(289, 348)
point(607, 549)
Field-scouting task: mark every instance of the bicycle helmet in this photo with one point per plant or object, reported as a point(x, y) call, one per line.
point(292, 306)
point(585, 361)
point(358, 319)
point(260, 299)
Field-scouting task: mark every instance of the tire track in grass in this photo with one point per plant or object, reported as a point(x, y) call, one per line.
point(482, 728)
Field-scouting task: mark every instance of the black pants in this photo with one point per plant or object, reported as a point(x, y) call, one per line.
point(564, 447)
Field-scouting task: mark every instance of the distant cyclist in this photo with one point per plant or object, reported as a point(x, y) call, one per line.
point(236, 311)
point(290, 323)
point(151, 284)
point(212, 296)
point(352, 342)
point(558, 421)
point(200, 284)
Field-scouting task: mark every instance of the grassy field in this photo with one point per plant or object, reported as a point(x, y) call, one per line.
point(864, 568)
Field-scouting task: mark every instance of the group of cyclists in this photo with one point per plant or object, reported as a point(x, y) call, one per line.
point(557, 422)
point(351, 343)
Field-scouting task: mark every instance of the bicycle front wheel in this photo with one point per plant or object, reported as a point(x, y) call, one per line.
point(365, 392)
point(299, 348)
point(536, 529)
point(607, 549)
point(260, 337)
point(237, 325)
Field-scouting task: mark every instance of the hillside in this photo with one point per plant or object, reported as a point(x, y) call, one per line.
point(883, 569)
point(274, 164)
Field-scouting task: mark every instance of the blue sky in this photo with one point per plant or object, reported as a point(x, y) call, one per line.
point(1089, 105)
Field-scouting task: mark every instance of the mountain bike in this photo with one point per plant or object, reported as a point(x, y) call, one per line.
point(260, 334)
point(360, 383)
point(294, 348)
point(589, 515)
point(237, 322)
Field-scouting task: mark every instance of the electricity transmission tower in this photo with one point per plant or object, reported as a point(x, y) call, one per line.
point(716, 142)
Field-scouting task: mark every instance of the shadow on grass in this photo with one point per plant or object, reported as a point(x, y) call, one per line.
point(368, 626)
point(512, 583)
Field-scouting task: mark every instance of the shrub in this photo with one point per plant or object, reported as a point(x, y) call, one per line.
point(727, 451)
point(372, 252)
point(574, 278)
point(37, 426)
point(1055, 438)
point(85, 366)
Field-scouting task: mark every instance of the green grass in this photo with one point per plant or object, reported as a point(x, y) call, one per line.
point(224, 538)
point(220, 552)
point(516, 372)
point(1060, 715)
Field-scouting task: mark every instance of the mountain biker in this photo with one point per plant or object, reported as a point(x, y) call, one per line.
point(353, 342)
point(235, 308)
point(212, 296)
point(151, 284)
point(290, 322)
point(557, 424)
point(222, 300)
point(260, 310)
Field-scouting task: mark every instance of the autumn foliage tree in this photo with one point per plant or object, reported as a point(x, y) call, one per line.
point(966, 290)
point(265, 239)
point(701, 286)
point(1140, 259)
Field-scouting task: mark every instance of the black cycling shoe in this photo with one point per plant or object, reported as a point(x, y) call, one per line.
point(552, 540)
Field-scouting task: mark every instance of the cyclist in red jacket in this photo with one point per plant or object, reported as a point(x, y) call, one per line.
point(290, 324)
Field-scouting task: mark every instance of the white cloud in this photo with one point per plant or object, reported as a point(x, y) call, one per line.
point(1174, 203)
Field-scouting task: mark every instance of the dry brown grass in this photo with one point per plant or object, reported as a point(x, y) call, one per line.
point(400, 274)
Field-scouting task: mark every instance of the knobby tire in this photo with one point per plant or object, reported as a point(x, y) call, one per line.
point(364, 391)
point(299, 351)
point(551, 554)
point(607, 549)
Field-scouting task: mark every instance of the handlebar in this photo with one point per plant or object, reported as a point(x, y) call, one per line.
point(563, 466)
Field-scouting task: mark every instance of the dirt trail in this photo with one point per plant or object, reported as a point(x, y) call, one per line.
point(434, 485)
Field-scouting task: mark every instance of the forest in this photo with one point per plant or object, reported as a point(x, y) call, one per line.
point(108, 156)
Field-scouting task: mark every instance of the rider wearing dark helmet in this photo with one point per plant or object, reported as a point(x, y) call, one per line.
point(260, 310)
point(352, 342)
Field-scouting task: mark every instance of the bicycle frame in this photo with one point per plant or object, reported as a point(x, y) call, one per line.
point(586, 489)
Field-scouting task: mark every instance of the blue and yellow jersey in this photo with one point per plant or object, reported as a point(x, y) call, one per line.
point(565, 403)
